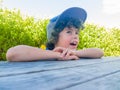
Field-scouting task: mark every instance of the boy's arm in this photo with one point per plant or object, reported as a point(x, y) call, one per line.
point(90, 53)
point(28, 53)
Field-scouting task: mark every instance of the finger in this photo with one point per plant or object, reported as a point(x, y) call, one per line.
point(68, 53)
point(64, 52)
point(70, 58)
point(73, 57)
point(58, 49)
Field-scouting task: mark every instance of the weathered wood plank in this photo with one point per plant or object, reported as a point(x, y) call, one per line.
point(62, 77)
point(109, 82)
point(14, 68)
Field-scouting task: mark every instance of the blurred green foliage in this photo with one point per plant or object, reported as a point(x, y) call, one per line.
point(16, 29)
point(100, 37)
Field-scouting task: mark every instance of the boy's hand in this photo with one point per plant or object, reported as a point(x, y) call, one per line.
point(66, 54)
point(59, 49)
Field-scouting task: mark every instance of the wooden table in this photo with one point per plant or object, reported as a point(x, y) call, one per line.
point(83, 74)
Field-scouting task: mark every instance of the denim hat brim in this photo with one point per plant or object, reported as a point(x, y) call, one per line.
point(74, 12)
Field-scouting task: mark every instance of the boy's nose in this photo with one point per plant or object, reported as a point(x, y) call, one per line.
point(75, 36)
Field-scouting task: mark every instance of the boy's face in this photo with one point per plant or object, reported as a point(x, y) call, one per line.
point(68, 38)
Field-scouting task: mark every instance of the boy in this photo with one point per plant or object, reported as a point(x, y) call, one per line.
point(63, 39)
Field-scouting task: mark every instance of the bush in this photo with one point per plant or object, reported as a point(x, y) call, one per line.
point(94, 36)
point(16, 29)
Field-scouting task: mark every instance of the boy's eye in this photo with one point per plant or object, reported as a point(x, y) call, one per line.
point(68, 31)
point(77, 32)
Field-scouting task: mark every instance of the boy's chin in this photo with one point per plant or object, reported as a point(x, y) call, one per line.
point(73, 48)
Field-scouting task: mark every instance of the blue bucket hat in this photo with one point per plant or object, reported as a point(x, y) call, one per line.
point(74, 13)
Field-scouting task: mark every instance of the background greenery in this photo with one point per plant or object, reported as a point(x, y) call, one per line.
point(16, 29)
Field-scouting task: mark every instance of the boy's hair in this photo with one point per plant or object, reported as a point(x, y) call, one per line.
point(72, 17)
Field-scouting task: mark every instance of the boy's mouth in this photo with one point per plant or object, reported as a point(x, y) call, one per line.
point(73, 43)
